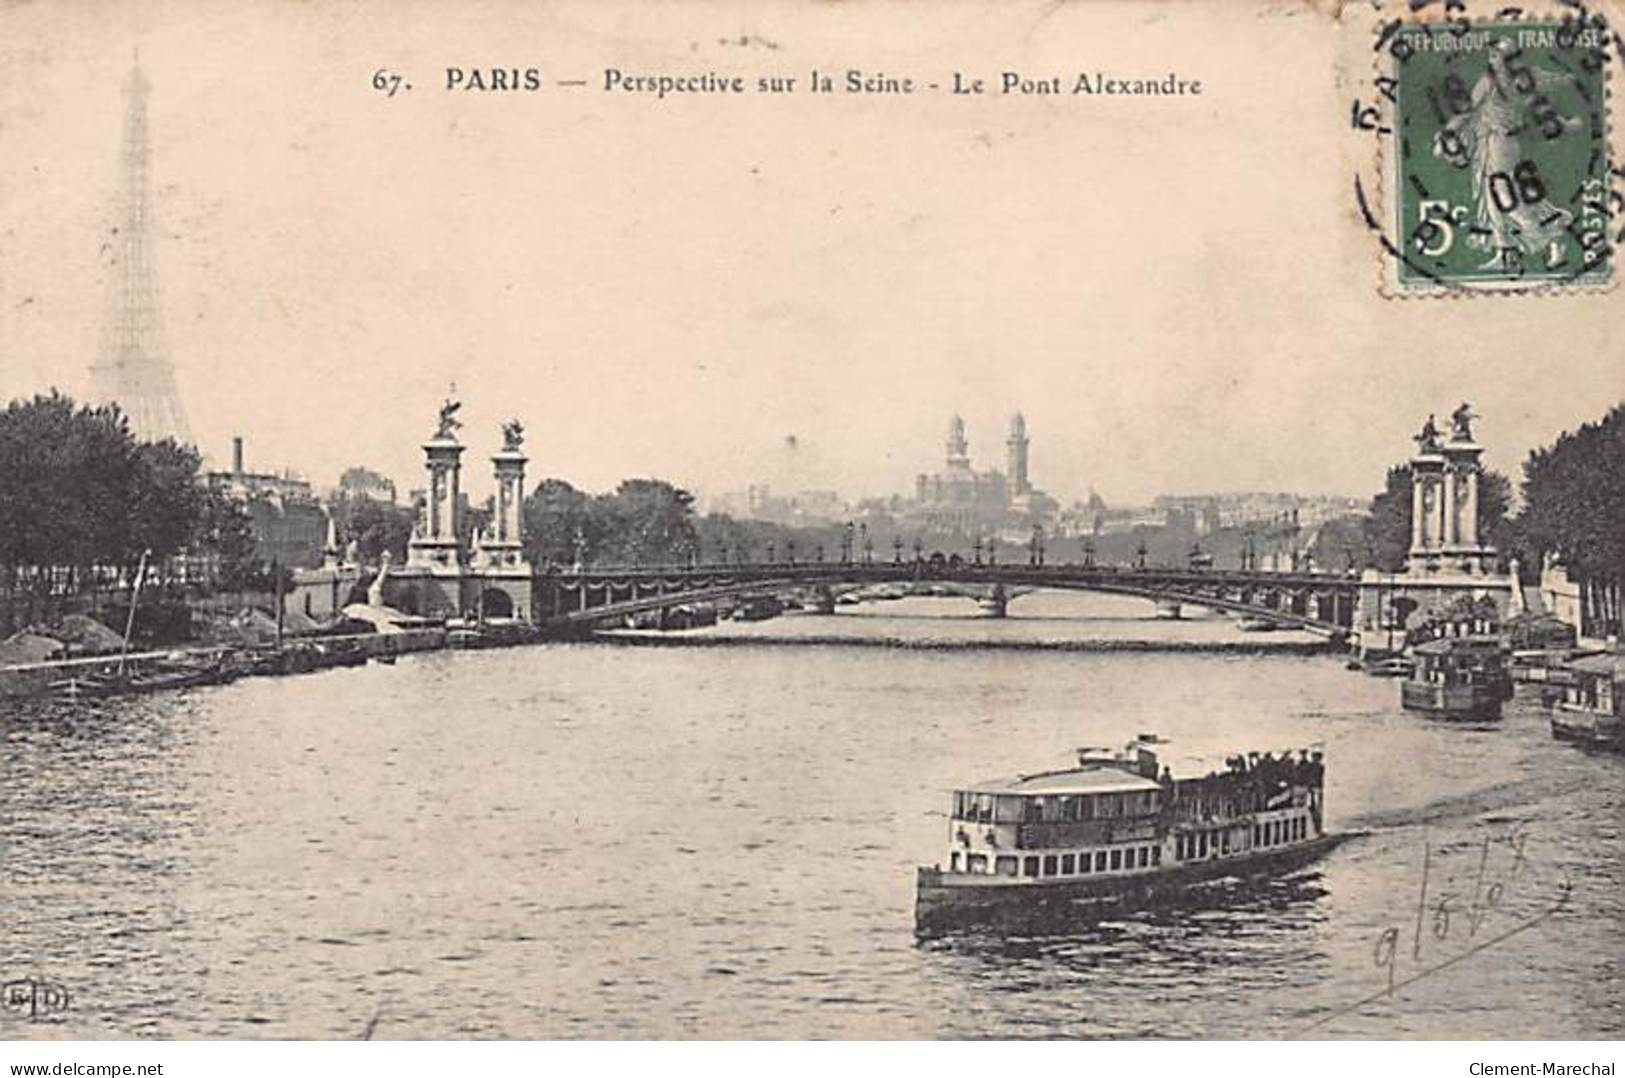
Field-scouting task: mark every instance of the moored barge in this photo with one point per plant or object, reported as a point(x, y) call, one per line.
point(1121, 831)
point(1591, 709)
point(1458, 678)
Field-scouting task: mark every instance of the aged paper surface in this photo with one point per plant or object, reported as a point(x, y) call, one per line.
point(733, 245)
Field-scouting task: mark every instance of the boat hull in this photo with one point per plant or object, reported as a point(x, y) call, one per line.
point(945, 901)
point(1588, 728)
point(1455, 702)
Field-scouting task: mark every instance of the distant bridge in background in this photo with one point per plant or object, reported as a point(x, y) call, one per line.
point(1322, 603)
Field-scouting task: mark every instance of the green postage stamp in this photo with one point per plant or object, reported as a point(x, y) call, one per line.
point(1499, 174)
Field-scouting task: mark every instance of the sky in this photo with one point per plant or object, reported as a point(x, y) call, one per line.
point(1177, 293)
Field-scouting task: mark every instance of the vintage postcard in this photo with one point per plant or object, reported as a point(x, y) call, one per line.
point(781, 521)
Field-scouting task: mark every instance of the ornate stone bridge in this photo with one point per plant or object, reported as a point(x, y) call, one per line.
point(1322, 603)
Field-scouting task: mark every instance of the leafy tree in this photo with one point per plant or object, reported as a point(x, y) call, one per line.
point(80, 493)
point(1388, 528)
point(165, 501)
point(1574, 508)
point(375, 527)
point(556, 513)
point(225, 530)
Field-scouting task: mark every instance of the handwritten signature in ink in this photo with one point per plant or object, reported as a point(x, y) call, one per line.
point(1437, 920)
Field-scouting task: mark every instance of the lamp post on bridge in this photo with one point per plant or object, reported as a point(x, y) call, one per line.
point(978, 549)
point(846, 544)
point(897, 550)
point(868, 544)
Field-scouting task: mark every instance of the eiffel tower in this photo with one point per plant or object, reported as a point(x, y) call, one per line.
point(132, 369)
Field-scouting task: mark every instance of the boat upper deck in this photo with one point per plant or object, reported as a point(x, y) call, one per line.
point(1072, 782)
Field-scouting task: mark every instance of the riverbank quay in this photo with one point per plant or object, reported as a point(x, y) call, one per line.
point(299, 656)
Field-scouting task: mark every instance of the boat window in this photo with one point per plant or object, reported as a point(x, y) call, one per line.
point(1117, 860)
point(977, 862)
point(1085, 859)
point(1029, 866)
point(1156, 855)
point(1201, 845)
point(1051, 864)
point(1068, 864)
point(1258, 835)
point(1004, 866)
point(1100, 861)
point(1224, 841)
point(953, 862)
point(1145, 856)
point(997, 810)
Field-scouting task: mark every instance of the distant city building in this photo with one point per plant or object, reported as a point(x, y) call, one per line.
point(807, 507)
point(959, 499)
point(366, 483)
point(289, 524)
point(1212, 512)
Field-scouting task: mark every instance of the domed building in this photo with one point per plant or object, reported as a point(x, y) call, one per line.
point(960, 500)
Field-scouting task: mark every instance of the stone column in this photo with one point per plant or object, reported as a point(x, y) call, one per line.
point(1418, 507)
point(1469, 530)
point(1438, 512)
point(1450, 525)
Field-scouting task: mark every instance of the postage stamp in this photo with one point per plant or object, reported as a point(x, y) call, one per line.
point(1498, 169)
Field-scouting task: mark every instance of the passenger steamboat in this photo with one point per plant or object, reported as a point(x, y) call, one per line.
point(1121, 831)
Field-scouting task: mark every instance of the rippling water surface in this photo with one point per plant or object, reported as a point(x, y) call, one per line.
point(612, 840)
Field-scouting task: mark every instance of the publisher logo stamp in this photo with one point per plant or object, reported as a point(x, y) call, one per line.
point(33, 999)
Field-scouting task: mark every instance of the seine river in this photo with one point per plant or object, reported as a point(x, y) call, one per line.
point(714, 835)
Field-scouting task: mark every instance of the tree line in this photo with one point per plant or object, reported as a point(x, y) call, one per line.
point(82, 500)
point(653, 522)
